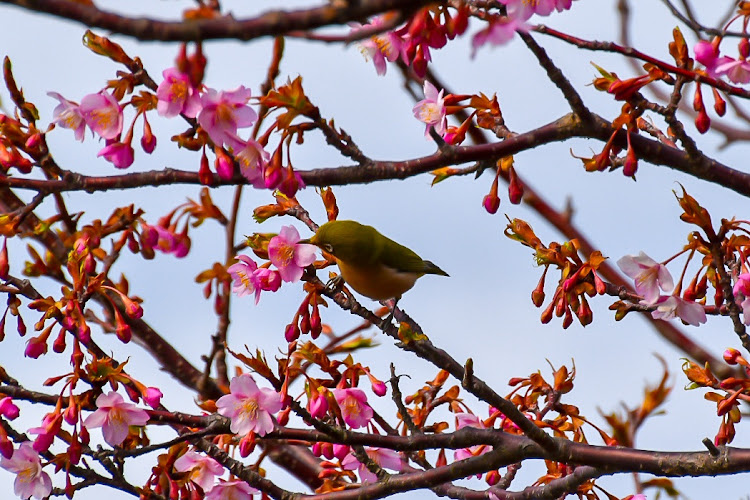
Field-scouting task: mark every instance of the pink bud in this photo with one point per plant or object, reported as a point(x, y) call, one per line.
point(8, 409)
point(291, 333)
point(702, 121)
point(731, 355)
point(6, 447)
point(744, 48)
point(223, 165)
point(705, 53)
point(340, 451)
point(148, 139)
point(152, 397)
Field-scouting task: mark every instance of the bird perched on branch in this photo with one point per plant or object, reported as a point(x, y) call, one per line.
point(372, 264)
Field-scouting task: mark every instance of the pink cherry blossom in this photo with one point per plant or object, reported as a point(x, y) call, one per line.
point(523, 9)
point(648, 274)
point(469, 420)
point(103, 114)
point(737, 70)
point(354, 408)
point(742, 295)
point(706, 54)
point(379, 48)
point(177, 95)
point(31, 480)
point(120, 154)
point(115, 416)
point(165, 240)
point(8, 409)
point(67, 114)
point(745, 305)
point(203, 469)
point(249, 407)
point(45, 434)
point(248, 278)
point(669, 307)
point(743, 285)
point(252, 159)
point(500, 31)
point(385, 458)
point(431, 110)
point(232, 490)
point(224, 112)
point(289, 256)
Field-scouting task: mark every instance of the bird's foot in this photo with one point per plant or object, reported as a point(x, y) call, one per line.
point(389, 318)
point(334, 285)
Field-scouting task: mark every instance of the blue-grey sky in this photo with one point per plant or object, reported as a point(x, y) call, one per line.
point(483, 310)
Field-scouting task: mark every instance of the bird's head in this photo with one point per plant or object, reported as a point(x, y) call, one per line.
point(346, 240)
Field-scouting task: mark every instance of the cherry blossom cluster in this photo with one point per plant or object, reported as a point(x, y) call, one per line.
point(285, 253)
point(220, 115)
point(113, 415)
point(432, 27)
point(650, 278)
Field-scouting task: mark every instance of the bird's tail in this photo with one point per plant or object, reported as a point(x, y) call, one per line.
point(430, 268)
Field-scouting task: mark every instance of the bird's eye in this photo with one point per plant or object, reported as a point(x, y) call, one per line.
point(328, 247)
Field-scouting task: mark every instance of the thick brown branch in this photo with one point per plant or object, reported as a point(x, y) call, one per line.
point(271, 23)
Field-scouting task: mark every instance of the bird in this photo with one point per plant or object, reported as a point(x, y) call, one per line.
point(372, 264)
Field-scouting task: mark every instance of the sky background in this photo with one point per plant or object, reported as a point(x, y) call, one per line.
point(483, 310)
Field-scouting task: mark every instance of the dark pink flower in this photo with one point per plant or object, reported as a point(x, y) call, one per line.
point(706, 54)
point(120, 154)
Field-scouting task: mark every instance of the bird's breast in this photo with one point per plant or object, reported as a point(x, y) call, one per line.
point(377, 282)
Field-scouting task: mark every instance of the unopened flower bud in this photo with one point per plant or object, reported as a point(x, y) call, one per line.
point(204, 172)
point(291, 332)
point(223, 164)
point(702, 121)
point(59, 344)
point(731, 356)
point(148, 139)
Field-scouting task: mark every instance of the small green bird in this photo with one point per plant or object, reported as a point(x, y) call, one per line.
point(372, 264)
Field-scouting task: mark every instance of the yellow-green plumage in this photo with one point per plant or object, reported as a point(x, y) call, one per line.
point(372, 264)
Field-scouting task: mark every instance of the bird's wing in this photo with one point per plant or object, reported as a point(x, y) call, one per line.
point(402, 259)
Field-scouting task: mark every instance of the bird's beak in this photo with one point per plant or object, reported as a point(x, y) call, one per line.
point(307, 241)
